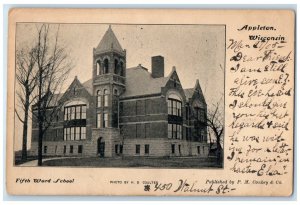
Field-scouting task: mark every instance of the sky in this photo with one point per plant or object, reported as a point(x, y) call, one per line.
point(197, 52)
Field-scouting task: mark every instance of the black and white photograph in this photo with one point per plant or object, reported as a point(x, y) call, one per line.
point(163, 102)
point(119, 95)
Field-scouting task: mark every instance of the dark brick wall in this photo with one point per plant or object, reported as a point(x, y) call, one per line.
point(145, 130)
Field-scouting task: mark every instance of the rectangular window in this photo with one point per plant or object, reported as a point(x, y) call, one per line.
point(170, 131)
point(71, 149)
point(72, 113)
point(65, 134)
point(83, 133)
point(105, 120)
point(147, 147)
point(105, 100)
point(66, 114)
point(69, 113)
point(45, 149)
point(137, 149)
point(198, 149)
point(80, 147)
point(83, 112)
point(174, 107)
point(173, 148)
point(72, 133)
point(116, 148)
point(78, 111)
point(174, 131)
point(99, 101)
point(174, 110)
point(99, 116)
point(77, 133)
point(65, 149)
point(169, 107)
point(68, 133)
point(179, 149)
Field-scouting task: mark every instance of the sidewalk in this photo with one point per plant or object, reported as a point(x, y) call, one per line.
point(34, 163)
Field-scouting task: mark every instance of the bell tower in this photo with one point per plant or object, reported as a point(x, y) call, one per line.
point(109, 77)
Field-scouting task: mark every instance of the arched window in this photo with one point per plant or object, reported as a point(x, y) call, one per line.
point(105, 66)
point(175, 109)
point(98, 68)
point(105, 97)
point(75, 112)
point(174, 105)
point(99, 98)
point(121, 68)
point(116, 66)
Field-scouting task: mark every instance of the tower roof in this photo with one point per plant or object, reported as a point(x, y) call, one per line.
point(109, 41)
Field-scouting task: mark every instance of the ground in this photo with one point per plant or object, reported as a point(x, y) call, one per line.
point(178, 162)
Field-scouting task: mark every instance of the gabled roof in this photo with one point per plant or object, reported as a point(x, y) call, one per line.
point(54, 100)
point(88, 85)
point(140, 82)
point(109, 41)
point(189, 92)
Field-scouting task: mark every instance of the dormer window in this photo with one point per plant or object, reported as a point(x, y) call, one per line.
point(74, 91)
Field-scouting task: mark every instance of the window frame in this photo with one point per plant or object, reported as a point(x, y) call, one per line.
point(137, 149)
point(174, 107)
point(173, 148)
point(80, 149)
point(147, 149)
point(71, 149)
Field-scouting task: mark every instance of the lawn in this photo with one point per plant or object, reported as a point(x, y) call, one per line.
point(142, 162)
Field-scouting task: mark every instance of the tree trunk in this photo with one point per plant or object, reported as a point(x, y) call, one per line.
point(40, 145)
point(218, 150)
point(25, 128)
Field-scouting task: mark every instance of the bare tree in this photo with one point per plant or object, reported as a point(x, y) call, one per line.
point(215, 122)
point(53, 67)
point(26, 75)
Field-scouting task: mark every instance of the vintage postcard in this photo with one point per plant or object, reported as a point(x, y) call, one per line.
point(150, 102)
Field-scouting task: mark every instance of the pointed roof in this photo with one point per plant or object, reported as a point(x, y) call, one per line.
point(109, 41)
point(189, 92)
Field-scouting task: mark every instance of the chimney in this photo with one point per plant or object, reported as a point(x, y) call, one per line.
point(158, 67)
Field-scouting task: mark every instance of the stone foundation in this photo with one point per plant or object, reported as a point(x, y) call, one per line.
point(159, 147)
